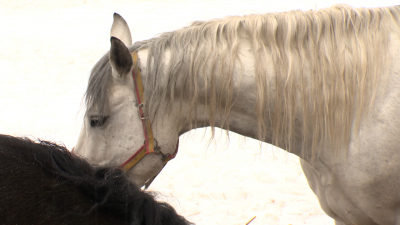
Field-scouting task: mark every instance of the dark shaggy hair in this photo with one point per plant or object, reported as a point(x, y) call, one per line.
point(43, 183)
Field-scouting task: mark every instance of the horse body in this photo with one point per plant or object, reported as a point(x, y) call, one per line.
point(43, 183)
point(323, 86)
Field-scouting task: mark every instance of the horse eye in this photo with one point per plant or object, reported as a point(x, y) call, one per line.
point(98, 121)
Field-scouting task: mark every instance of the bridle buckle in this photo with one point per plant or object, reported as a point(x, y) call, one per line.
point(140, 112)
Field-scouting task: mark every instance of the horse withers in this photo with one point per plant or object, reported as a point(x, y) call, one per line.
point(321, 84)
point(43, 183)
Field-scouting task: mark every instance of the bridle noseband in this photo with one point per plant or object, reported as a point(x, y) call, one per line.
point(150, 143)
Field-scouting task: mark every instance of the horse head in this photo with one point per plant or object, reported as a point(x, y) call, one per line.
point(117, 128)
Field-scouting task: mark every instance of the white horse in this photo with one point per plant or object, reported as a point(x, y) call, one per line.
point(324, 85)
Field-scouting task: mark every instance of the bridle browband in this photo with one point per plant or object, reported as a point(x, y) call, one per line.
point(150, 143)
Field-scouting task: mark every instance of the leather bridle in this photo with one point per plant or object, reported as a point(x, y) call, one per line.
point(150, 143)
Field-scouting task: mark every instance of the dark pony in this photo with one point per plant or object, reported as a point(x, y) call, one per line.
point(43, 183)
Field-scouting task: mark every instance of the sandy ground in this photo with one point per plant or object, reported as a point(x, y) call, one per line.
point(47, 49)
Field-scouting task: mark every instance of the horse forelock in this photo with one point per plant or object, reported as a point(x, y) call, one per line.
point(96, 98)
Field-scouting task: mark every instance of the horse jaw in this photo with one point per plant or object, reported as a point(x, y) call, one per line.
point(120, 30)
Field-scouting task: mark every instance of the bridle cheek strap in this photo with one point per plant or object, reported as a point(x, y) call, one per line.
point(148, 146)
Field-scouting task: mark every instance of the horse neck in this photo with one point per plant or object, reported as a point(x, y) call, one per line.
point(242, 118)
point(238, 116)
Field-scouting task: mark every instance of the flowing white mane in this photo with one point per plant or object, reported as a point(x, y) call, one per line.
point(326, 64)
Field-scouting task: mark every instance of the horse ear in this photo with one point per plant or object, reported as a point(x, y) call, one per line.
point(120, 30)
point(120, 57)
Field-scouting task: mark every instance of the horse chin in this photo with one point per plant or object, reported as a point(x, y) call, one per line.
point(144, 172)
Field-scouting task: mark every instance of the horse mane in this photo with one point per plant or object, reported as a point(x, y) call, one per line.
point(326, 64)
point(42, 182)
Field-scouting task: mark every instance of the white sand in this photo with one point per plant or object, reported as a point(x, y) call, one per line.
point(47, 49)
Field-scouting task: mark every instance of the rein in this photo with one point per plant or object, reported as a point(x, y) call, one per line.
point(150, 143)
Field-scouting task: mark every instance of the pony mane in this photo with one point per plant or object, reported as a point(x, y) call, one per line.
point(326, 64)
point(105, 190)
